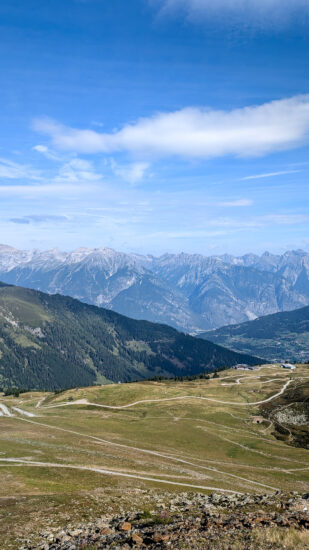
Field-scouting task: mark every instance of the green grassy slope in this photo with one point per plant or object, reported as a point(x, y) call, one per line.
point(56, 342)
point(278, 337)
point(204, 441)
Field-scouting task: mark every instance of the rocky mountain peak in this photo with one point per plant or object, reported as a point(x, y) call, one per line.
point(189, 291)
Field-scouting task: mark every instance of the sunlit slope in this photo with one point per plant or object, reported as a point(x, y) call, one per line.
point(197, 435)
point(49, 342)
point(278, 337)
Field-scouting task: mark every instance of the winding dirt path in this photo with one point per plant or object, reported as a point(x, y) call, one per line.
point(239, 380)
point(180, 398)
point(242, 480)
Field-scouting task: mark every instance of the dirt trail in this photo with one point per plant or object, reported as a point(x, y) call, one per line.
point(180, 398)
point(240, 479)
point(5, 410)
point(157, 454)
point(24, 413)
point(39, 403)
point(21, 462)
point(239, 380)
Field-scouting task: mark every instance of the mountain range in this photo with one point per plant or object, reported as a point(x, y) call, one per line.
point(190, 292)
point(279, 337)
point(53, 342)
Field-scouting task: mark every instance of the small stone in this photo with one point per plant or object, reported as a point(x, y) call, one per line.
point(66, 538)
point(76, 532)
point(158, 537)
point(137, 539)
point(125, 526)
point(106, 531)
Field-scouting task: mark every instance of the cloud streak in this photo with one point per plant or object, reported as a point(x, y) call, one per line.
point(264, 13)
point(78, 171)
point(46, 152)
point(270, 175)
point(236, 203)
point(12, 170)
point(195, 132)
point(26, 220)
point(37, 191)
point(260, 221)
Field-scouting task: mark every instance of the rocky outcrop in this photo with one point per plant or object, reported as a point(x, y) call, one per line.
point(192, 521)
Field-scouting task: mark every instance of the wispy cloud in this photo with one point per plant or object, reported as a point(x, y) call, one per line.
point(26, 220)
point(196, 132)
point(286, 219)
point(133, 173)
point(189, 234)
point(270, 175)
point(236, 203)
point(78, 171)
point(255, 222)
point(53, 190)
point(266, 13)
point(74, 177)
point(13, 170)
point(46, 152)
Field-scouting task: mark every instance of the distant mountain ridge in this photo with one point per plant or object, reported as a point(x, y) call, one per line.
point(278, 337)
point(53, 342)
point(188, 291)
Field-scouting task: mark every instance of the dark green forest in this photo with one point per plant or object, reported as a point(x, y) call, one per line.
point(281, 336)
point(52, 342)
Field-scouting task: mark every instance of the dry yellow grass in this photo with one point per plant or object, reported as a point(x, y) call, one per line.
point(289, 539)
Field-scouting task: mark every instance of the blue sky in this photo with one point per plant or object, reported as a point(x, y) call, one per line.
point(155, 125)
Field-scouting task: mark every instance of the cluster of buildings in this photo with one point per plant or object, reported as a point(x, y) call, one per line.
point(249, 367)
point(244, 367)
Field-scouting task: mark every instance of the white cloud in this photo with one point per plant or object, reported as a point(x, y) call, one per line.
point(77, 171)
point(260, 221)
point(37, 191)
point(190, 234)
point(236, 203)
point(13, 170)
point(34, 218)
point(248, 12)
point(132, 173)
point(286, 219)
point(196, 132)
point(43, 150)
point(271, 175)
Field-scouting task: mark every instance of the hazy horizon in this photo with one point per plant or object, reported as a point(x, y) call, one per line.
point(132, 252)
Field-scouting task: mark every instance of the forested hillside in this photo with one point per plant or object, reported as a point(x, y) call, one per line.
point(56, 342)
point(278, 337)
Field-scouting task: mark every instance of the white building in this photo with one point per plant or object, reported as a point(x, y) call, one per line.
point(288, 366)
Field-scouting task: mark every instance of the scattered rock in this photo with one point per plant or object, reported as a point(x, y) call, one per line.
point(187, 520)
point(158, 537)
